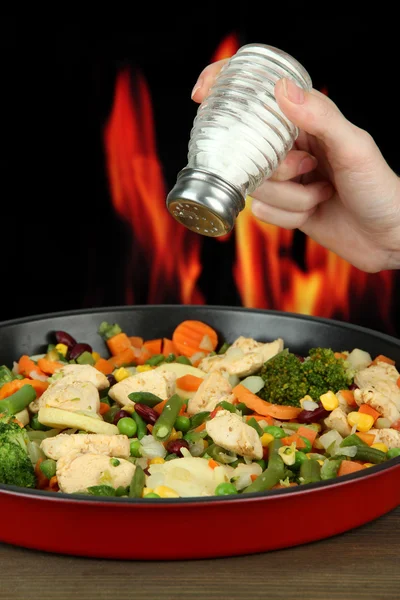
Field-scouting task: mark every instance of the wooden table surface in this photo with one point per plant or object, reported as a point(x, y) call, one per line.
point(361, 564)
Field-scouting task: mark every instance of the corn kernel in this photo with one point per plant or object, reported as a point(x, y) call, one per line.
point(143, 368)
point(96, 356)
point(306, 399)
point(381, 447)
point(361, 421)
point(329, 401)
point(175, 435)
point(266, 439)
point(157, 461)
point(121, 374)
point(165, 492)
point(366, 465)
point(62, 349)
point(205, 444)
point(320, 462)
point(147, 490)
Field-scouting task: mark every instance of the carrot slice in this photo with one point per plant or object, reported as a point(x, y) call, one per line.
point(294, 438)
point(200, 427)
point(398, 382)
point(366, 409)
point(144, 355)
point(118, 343)
point(53, 484)
point(26, 366)
point(49, 366)
point(189, 383)
point(189, 336)
point(348, 466)
point(253, 477)
point(104, 407)
point(13, 386)
point(153, 346)
point(340, 355)
point(309, 434)
point(262, 407)
point(123, 358)
point(136, 341)
point(212, 463)
point(160, 406)
point(368, 438)
point(382, 358)
point(169, 347)
point(103, 366)
point(348, 395)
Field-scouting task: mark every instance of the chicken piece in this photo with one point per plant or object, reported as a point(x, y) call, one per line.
point(343, 404)
point(71, 395)
point(62, 444)
point(243, 358)
point(214, 389)
point(338, 420)
point(76, 472)
point(72, 373)
point(383, 378)
point(379, 401)
point(230, 432)
point(159, 382)
point(389, 437)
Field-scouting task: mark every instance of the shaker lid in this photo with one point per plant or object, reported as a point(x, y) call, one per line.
point(204, 202)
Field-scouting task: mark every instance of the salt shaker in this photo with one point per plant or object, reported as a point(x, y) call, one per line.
point(239, 137)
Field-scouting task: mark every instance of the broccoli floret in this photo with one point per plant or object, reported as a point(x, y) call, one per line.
point(288, 380)
point(15, 465)
point(285, 381)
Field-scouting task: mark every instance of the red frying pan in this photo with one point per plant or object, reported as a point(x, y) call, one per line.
point(195, 528)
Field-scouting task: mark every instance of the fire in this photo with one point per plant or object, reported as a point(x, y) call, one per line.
point(165, 261)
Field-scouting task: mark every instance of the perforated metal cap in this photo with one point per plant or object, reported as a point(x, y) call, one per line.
point(204, 202)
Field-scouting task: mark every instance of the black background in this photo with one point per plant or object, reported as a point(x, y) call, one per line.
point(62, 245)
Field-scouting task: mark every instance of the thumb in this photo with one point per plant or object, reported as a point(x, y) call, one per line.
point(317, 115)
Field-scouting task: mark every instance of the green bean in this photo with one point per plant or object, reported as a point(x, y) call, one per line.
point(137, 483)
point(101, 490)
point(330, 468)
point(163, 426)
point(122, 491)
point(253, 423)
point(146, 398)
point(243, 408)
point(224, 348)
point(18, 400)
point(310, 471)
point(219, 454)
point(183, 360)
point(199, 419)
point(155, 360)
point(170, 358)
point(227, 406)
point(110, 414)
point(170, 457)
point(141, 425)
point(273, 473)
point(195, 436)
point(352, 440)
point(48, 468)
point(37, 425)
point(371, 455)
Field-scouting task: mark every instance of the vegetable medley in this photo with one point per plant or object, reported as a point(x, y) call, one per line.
point(192, 416)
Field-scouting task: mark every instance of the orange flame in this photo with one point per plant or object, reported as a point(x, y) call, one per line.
point(227, 48)
point(167, 251)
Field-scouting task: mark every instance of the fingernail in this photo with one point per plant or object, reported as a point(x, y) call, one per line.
point(292, 92)
point(307, 164)
point(197, 86)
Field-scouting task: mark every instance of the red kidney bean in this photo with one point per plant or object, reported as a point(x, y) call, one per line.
point(353, 387)
point(176, 446)
point(111, 379)
point(312, 416)
point(120, 415)
point(63, 337)
point(265, 453)
point(79, 349)
point(300, 358)
point(148, 414)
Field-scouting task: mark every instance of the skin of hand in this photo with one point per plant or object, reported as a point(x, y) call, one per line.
point(334, 185)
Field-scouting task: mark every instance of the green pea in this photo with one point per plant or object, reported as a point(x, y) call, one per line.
point(262, 463)
point(170, 457)
point(122, 491)
point(48, 468)
point(136, 448)
point(127, 426)
point(277, 432)
point(35, 424)
point(151, 495)
point(299, 458)
point(308, 446)
point(155, 360)
point(182, 424)
point(183, 360)
point(225, 489)
point(115, 462)
point(393, 453)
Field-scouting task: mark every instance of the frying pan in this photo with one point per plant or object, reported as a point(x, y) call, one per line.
point(195, 528)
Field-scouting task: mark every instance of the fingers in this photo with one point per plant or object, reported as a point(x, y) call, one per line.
point(206, 80)
point(296, 163)
point(293, 197)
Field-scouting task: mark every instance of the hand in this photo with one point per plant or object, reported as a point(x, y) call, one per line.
point(334, 185)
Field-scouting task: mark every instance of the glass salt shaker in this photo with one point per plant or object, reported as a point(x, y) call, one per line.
point(239, 137)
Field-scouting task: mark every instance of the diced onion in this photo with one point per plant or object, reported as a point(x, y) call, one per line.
point(15, 368)
point(329, 438)
point(34, 375)
point(34, 452)
point(309, 405)
point(234, 354)
point(151, 448)
point(206, 344)
point(37, 357)
point(233, 380)
point(254, 383)
point(242, 474)
point(382, 423)
point(349, 451)
point(196, 357)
